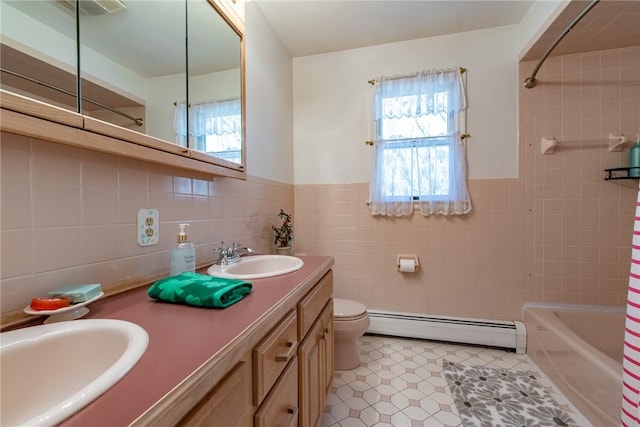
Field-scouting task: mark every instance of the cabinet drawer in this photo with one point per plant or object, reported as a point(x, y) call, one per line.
point(271, 356)
point(311, 305)
point(228, 404)
point(280, 408)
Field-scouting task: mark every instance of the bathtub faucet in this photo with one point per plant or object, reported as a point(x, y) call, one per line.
point(231, 255)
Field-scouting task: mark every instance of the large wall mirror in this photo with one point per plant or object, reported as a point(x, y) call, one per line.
point(38, 51)
point(214, 82)
point(171, 69)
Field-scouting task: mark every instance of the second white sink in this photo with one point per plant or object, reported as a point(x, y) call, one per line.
point(51, 371)
point(257, 267)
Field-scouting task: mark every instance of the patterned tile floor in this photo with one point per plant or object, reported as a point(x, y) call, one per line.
point(400, 383)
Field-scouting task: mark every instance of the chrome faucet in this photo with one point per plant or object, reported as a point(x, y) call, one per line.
point(231, 255)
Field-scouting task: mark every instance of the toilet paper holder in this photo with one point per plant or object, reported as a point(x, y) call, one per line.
point(410, 257)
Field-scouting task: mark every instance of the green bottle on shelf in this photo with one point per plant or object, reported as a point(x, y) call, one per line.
point(634, 159)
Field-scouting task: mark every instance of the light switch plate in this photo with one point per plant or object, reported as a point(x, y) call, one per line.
point(148, 230)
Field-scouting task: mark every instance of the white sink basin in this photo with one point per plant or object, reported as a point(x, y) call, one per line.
point(51, 371)
point(257, 267)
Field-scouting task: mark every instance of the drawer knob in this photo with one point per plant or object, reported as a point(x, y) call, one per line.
point(287, 353)
point(292, 417)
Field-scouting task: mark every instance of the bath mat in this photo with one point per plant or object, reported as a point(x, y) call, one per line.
point(501, 397)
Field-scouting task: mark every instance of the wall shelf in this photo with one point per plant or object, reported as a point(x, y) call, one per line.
point(621, 173)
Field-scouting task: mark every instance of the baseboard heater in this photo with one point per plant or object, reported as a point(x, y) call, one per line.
point(493, 333)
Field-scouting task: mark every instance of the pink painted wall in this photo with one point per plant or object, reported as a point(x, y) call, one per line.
point(557, 234)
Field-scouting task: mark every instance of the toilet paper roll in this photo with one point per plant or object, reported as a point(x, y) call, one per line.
point(407, 266)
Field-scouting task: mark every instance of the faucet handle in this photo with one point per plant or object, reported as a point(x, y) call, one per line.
point(220, 248)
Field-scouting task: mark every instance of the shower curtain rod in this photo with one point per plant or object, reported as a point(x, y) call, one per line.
point(531, 81)
point(137, 120)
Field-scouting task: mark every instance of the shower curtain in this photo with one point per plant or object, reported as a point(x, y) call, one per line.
point(631, 363)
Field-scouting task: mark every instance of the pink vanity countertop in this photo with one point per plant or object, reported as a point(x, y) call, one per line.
point(183, 338)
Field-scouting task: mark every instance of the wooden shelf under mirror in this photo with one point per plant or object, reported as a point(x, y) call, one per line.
point(24, 116)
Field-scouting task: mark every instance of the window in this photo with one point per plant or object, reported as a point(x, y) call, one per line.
point(214, 128)
point(419, 155)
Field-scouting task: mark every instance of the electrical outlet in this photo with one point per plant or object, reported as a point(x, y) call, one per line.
point(148, 230)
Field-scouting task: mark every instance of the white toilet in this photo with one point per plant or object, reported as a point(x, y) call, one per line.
point(350, 322)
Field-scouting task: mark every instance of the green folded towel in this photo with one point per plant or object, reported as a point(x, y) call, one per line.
point(199, 290)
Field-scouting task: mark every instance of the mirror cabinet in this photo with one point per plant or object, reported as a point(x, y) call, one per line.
point(214, 80)
point(37, 54)
point(167, 74)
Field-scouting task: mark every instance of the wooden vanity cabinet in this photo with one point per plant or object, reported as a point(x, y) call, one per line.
point(228, 404)
point(280, 408)
point(284, 380)
point(312, 304)
point(327, 342)
point(316, 368)
point(272, 355)
point(314, 314)
point(315, 353)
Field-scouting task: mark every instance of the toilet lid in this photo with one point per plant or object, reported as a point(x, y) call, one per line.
point(345, 309)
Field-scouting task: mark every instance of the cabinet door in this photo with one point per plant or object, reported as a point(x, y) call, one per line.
point(327, 346)
point(316, 368)
point(311, 377)
point(228, 404)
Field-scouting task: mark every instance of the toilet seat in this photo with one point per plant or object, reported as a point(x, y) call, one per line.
point(345, 310)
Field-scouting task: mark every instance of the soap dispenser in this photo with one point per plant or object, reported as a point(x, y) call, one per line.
point(183, 254)
point(634, 159)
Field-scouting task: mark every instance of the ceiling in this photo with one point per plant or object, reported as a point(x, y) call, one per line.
point(320, 26)
point(611, 24)
point(309, 27)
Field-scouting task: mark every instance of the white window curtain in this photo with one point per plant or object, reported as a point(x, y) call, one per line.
point(219, 118)
point(180, 123)
point(419, 156)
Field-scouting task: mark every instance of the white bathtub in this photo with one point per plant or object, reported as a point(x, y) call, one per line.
point(580, 349)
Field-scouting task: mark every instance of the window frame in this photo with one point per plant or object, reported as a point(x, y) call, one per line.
point(453, 121)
